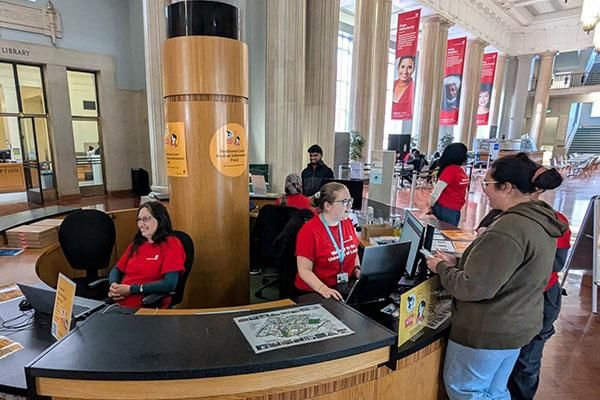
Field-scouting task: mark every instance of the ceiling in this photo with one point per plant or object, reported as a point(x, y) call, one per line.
point(529, 12)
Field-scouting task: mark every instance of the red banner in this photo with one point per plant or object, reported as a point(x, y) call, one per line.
point(488, 72)
point(405, 64)
point(455, 63)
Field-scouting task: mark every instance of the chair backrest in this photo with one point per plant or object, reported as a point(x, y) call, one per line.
point(270, 222)
point(285, 251)
point(87, 239)
point(188, 247)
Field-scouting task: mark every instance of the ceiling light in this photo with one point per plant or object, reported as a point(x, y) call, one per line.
point(590, 12)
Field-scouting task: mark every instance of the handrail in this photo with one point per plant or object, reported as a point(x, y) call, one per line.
point(566, 81)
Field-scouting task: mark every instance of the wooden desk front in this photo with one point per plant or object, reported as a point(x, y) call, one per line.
point(11, 178)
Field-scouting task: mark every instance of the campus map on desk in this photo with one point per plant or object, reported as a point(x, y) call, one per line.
point(290, 327)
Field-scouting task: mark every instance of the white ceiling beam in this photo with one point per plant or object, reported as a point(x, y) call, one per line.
point(524, 3)
point(564, 15)
point(522, 15)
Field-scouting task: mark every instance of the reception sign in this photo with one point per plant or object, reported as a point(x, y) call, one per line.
point(455, 62)
point(405, 64)
point(488, 72)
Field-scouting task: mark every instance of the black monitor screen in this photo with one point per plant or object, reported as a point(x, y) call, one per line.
point(355, 187)
point(412, 232)
point(399, 143)
point(260, 169)
point(381, 269)
point(4, 155)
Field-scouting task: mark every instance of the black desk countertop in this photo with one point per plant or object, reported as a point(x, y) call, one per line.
point(114, 346)
point(26, 217)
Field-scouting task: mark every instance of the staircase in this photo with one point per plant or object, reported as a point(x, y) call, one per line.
point(586, 140)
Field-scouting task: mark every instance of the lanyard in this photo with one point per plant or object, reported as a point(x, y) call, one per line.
point(340, 252)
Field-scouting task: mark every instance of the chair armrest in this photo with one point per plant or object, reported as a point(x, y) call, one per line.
point(97, 283)
point(153, 300)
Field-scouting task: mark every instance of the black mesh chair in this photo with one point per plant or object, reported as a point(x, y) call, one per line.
point(87, 239)
point(154, 300)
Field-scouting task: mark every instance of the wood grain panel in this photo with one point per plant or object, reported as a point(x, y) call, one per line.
point(205, 65)
point(212, 208)
point(194, 311)
point(126, 228)
point(12, 178)
point(417, 377)
point(229, 387)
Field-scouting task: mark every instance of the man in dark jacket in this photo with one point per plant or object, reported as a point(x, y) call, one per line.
point(314, 171)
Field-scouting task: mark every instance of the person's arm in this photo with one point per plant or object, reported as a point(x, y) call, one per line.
point(437, 191)
point(560, 259)
point(329, 173)
point(305, 271)
point(115, 275)
point(164, 286)
point(485, 270)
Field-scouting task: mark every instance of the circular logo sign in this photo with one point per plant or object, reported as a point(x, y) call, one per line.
point(229, 150)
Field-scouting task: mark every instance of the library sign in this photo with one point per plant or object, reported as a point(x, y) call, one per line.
point(13, 51)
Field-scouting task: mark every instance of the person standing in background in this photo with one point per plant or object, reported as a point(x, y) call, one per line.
point(315, 171)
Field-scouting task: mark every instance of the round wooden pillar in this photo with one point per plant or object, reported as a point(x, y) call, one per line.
point(205, 82)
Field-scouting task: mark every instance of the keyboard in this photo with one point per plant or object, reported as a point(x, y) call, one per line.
point(77, 309)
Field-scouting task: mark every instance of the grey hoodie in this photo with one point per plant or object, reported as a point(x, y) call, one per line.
point(498, 283)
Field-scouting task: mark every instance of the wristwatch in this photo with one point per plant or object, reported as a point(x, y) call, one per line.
point(142, 288)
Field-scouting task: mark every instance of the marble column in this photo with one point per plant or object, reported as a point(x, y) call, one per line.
point(154, 36)
point(508, 89)
point(380, 69)
point(518, 100)
point(285, 88)
point(496, 94)
point(542, 96)
point(470, 91)
point(322, 22)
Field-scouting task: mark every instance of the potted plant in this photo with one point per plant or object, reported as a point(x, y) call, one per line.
point(357, 143)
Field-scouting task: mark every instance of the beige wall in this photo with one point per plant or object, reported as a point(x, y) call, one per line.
point(123, 115)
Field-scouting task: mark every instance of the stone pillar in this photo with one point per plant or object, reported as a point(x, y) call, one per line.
point(380, 68)
point(154, 36)
point(518, 100)
point(322, 22)
point(470, 91)
point(496, 93)
point(286, 71)
point(542, 96)
point(510, 77)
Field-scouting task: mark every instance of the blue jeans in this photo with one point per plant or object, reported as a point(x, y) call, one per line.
point(474, 374)
point(446, 214)
point(525, 376)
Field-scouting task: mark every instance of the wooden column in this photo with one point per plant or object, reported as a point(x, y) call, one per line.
point(205, 84)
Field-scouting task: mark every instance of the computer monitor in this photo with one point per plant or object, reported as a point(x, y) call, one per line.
point(259, 169)
point(412, 232)
point(399, 143)
point(381, 269)
point(5, 155)
point(355, 187)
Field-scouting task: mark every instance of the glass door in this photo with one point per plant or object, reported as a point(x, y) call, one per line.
point(38, 167)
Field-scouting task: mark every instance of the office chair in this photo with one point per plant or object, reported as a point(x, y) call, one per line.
point(87, 239)
point(154, 300)
point(270, 222)
point(285, 252)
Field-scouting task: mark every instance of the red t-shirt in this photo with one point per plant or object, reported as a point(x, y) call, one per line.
point(296, 200)
point(563, 242)
point(149, 264)
point(454, 195)
point(313, 242)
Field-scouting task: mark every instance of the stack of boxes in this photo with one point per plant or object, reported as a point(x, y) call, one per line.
point(37, 235)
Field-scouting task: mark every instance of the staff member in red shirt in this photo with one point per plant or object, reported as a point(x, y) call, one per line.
point(327, 246)
point(151, 263)
point(293, 196)
point(450, 191)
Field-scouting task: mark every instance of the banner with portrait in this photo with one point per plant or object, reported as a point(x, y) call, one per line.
point(488, 72)
point(453, 75)
point(407, 38)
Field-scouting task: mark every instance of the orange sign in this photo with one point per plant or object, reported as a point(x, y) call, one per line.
point(229, 150)
point(63, 307)
point(175, 152)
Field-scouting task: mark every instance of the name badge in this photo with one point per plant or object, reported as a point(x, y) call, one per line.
point(342, 277)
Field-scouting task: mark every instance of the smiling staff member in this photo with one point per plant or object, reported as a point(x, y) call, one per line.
point(151, 263)
point(327, 246)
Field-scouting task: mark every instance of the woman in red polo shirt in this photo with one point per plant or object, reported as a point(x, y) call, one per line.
point(327, 246)
point(151, 263)
point(450, 191)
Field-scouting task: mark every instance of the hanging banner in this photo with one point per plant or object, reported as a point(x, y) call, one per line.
point(488, 72)
point(455, 62)
point(405, 64)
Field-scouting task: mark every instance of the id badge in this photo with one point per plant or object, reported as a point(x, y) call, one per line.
point(342, 277)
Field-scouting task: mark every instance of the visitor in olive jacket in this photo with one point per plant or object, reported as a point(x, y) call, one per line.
point(498, 283)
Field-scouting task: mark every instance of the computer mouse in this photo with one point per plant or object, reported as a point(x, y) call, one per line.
point(24, 305)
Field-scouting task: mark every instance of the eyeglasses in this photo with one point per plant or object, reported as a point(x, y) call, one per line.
point(144, 219)
point(484, 184)
point(345, 202)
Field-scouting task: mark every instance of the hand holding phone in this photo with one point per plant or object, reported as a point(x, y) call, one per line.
point(426, 253)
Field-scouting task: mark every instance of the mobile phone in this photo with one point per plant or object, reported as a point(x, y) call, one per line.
point(426, 253)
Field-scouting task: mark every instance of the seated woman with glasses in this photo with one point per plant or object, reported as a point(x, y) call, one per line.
point(327, 245)
point(151, 263)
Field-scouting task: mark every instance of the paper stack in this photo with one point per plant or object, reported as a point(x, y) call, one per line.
point(33, 236)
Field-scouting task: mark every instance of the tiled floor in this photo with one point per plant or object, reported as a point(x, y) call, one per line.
point(571, 364)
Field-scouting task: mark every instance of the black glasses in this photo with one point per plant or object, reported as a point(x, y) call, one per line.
point(346, 202)
point(144, 219)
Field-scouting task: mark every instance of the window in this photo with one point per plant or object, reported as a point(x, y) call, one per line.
point(342, 87)
point(595, 113)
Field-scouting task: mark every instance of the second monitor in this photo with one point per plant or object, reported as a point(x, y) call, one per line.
point(355, 187)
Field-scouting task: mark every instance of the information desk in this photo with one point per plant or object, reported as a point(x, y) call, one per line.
point(12, 178)
point(30, 216)
point(115, 355)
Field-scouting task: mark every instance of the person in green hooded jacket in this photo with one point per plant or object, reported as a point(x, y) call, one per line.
point(497, 285)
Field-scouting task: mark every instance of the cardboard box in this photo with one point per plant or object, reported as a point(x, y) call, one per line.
point(372, 230)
